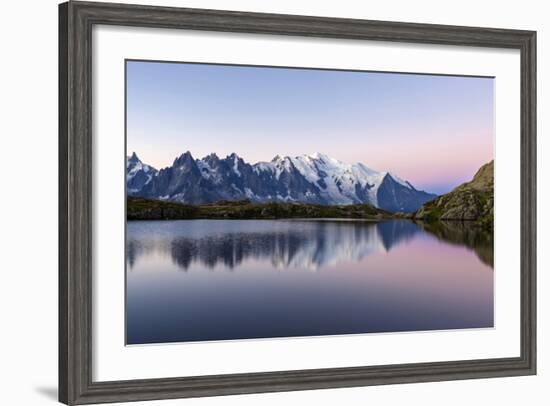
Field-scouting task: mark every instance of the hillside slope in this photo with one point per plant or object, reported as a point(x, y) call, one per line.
point(471, 201)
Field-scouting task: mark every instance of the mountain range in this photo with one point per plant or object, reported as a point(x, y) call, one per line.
point(311, 179)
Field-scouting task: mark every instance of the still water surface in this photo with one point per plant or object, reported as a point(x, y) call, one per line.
point(197, 280)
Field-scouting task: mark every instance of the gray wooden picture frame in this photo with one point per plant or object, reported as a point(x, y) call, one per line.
point(76, 20)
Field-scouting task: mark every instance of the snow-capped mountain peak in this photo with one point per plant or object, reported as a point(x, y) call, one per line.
point(310, 178)
point(138, 174)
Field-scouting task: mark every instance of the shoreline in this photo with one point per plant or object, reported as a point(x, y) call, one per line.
point(320, 219)
point(148, 209)
point(141, 209)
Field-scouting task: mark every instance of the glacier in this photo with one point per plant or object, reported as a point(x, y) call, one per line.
point(310, 178)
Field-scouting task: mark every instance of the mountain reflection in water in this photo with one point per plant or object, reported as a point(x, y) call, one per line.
point(289, 243)
point(200, 280)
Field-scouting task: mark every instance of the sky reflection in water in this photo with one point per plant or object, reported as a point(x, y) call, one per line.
point(198, 280)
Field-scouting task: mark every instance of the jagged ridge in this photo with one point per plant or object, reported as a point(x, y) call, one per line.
point(311, 179)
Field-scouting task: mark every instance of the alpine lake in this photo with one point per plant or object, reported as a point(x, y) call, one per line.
point(202, 280)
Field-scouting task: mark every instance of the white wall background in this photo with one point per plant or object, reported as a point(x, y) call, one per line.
point(28, 163)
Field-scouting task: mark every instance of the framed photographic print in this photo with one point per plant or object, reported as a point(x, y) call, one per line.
point(257, 202)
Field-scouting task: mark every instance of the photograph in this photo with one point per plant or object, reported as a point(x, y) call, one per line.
point(269, 202)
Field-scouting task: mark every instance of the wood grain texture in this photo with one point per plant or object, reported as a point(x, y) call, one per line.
point(63, 245)
point(76, 20)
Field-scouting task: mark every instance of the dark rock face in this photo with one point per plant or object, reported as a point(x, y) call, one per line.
point(471, 201)
point(395, 197)
point(182, 181)
point(137, 174)
point(315, 179)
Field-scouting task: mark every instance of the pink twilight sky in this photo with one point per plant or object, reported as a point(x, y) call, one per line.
point(432, 130)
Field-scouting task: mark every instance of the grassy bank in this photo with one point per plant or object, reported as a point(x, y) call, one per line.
point(148, 209)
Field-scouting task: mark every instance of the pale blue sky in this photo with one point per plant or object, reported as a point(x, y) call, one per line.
point(434, 131)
